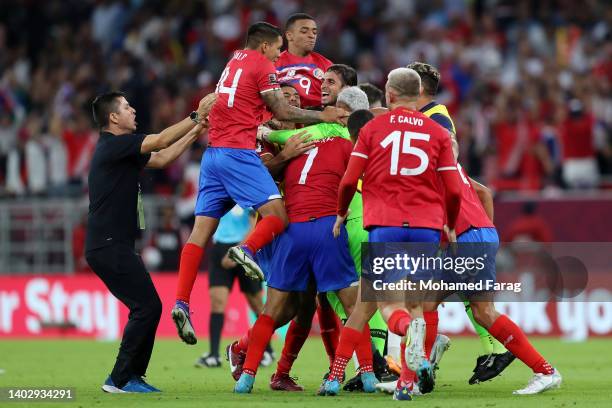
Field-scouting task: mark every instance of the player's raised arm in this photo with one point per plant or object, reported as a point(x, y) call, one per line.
point(165, 157)
point(162, 140)
point(312, 132)
point(283, 111)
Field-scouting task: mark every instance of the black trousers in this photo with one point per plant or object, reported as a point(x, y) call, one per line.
point(124, 274)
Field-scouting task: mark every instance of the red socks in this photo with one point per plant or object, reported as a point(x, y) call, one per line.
point(431, 330)
point(364, 351)
point(513, 338)
point(191, 256)
point(262, 331)
point(264, 232)
point(243, 343)
point(349, 338)
point(399, 321)
point(294, 340)
point(406, 375)
point(330, 330)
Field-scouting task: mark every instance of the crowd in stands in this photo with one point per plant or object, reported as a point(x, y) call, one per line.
point(527, 82)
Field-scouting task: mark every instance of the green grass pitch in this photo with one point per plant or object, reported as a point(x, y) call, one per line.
point(84, 364)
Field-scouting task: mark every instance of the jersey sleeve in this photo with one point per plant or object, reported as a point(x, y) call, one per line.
point(266, 77)
point(443, 121)
point(446, 159)
point(317, 132)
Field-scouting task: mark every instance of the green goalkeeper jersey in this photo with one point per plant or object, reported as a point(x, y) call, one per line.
point(317, 132)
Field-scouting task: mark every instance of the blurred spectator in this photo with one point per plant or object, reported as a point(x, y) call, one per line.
point(376, 97)
point(579, 163)
point(505, 66)
point(166, 239)
point(79, 139)
point(529, 226)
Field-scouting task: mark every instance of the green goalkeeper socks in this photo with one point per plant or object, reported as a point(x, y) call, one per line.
point(489, 344)
point(378, 327)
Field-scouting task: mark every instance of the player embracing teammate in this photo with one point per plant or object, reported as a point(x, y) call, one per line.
point(231, 171)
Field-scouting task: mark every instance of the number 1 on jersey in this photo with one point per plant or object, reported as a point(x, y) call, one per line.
point(311, 156)
point(231, 90)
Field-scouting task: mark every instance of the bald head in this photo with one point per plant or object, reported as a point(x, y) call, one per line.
point(404, 83)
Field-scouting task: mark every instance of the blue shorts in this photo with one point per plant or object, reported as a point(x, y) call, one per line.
point(414, 242)
point(232, 176)
point(481, 245)
point(305, 250)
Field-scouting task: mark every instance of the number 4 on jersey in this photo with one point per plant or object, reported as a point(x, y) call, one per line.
point(230, 90)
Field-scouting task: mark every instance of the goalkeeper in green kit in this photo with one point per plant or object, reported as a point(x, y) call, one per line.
point(350, 99)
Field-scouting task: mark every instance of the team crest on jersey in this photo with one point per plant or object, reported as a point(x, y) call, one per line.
point(318, 73)
point(272, 79)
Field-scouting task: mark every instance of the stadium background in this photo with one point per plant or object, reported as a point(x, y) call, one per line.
point(517, 76)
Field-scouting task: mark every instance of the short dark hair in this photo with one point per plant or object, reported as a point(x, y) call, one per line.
point(348, 74)
point(430, 77)
point(104, 105)
point(357, 120)
point(374, 93)
point(295, 17)
point(261, 32)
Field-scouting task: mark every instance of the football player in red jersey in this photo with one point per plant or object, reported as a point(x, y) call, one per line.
point(231, 170)
point(403, 153)
point(475, 229)
point(291, 262)
point(299, 65)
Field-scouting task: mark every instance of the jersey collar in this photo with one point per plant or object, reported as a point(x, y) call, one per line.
point(428, 106)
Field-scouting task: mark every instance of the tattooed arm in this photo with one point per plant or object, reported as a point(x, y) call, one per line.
point(283, 111)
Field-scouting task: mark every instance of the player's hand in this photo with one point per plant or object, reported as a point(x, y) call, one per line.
point(332, 114)
point(297, 144)
point(227, 263)
point(206, 104)
point(338, 224)
point(263, 132)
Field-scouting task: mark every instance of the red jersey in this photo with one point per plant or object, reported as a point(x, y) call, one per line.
point(404, 150)
point(312, 179)
point(472, 213)
point(577, 137)
point(305, 74)
point(239, 107)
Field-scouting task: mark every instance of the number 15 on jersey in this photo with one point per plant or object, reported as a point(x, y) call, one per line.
point(397, 138)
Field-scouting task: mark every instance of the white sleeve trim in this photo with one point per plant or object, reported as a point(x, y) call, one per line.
point(447, 168)
point(365, 156)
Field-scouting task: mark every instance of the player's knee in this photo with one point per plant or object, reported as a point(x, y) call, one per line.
point(277, 209)
point(152, 310)
point(282, 215)
point(217, 303)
